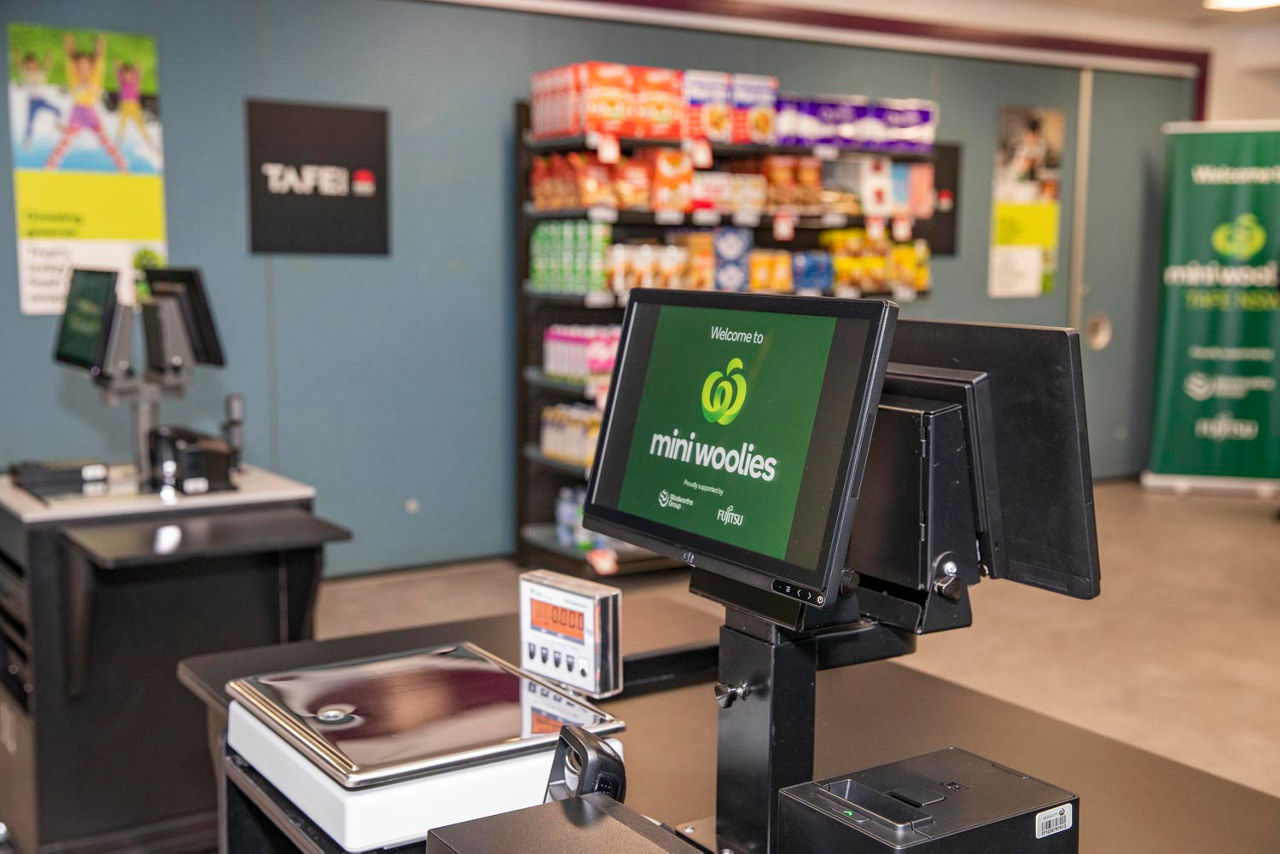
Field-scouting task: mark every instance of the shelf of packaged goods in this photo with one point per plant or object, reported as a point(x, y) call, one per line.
point(723, 149)
point(588, 299)
point(705, 219)
point(535, 376)
point(534, 454)
point(542, 537)
point(606, 299)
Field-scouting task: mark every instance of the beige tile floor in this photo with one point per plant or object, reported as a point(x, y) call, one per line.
point(1180, 655)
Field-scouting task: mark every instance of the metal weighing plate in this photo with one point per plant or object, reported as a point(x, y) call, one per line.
point(388, 718)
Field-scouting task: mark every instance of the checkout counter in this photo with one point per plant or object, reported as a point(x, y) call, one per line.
point(1133, 801)
point(976, 467)
point(111, 574)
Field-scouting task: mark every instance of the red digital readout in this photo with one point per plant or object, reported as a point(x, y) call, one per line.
point(562, 621)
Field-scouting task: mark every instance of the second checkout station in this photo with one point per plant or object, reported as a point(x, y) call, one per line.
point(837, 480)
point(110, 574)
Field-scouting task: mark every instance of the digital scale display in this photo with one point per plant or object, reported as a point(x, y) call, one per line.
point(566, 622)
point(569, 632)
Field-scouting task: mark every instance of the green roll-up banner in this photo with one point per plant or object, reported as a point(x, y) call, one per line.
point(1217, 412)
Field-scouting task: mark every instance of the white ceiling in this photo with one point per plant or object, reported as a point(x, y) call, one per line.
point(1184, 11)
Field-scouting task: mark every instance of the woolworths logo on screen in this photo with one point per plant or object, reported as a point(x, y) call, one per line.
point(1240, 239)
point(723, 394)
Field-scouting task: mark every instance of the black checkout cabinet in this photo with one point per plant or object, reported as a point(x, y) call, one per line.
point(100, 597)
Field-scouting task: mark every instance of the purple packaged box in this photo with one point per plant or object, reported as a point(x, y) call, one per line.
point(910, 124)
point(835, 118)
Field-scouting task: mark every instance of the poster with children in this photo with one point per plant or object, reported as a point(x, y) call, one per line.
point(88, 158)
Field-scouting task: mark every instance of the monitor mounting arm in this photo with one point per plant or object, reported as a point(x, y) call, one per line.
point(122, 383)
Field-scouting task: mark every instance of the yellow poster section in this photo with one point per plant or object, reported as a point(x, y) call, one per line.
point(1025, 224)
point(89, 206)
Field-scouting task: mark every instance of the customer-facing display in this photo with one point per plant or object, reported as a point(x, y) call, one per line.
point(737, 429)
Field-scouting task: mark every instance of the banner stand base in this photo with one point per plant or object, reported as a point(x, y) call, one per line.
point(1197, 484)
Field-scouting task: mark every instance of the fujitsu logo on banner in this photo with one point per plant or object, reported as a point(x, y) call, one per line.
point(311, 179)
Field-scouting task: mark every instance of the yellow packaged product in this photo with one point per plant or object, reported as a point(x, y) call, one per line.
point(781, 278)
point(702, 261)
point(760, 268)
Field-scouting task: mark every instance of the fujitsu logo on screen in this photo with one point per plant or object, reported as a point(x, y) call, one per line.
point(313, 179)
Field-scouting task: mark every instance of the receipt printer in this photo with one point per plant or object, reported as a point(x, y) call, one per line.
point(946, 801)
point(191, 463)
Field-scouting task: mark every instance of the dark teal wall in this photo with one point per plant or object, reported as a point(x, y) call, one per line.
point(380, 380)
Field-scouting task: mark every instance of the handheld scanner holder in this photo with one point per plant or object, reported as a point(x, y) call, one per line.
point(585, 763)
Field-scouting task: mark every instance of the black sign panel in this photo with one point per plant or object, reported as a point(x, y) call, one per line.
point(318, 179)
point(942, 228)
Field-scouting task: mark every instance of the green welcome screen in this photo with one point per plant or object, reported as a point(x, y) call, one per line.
point(724, 421)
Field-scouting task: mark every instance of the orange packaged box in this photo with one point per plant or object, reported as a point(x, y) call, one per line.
point(658, 103)
point(671, 179)
point(607, 98)
point(587, 97)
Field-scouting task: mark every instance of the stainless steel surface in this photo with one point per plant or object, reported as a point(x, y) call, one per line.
point(253, 486)
point(411, 714)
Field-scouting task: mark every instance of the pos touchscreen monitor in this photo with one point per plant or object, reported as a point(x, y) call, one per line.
point(84, 335)
point(187, 287)
point(736, 433)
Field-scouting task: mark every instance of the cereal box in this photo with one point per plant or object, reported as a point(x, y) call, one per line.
point(658, 103)
point(582, 98)
point(671, 179)
point(755, 99)
point(708, 107)
point(554, 104)
point(606, 91)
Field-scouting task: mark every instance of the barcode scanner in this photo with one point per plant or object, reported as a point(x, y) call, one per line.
point(585, 763)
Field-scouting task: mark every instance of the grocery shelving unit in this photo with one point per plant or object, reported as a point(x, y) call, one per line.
point(539, 478)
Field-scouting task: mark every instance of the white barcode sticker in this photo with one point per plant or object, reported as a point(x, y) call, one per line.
point(602, 213)
point(1051, 821)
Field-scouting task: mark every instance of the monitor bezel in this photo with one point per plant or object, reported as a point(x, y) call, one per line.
point(753, 568)
point(97, 366)
point(197, 314)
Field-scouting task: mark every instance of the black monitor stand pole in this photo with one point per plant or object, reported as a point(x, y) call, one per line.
point(766, 695)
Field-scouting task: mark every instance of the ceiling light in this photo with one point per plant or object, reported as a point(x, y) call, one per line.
point(1239, 5)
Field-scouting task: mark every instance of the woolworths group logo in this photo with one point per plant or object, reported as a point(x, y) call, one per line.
point(1240, 239)
point(723, 394)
